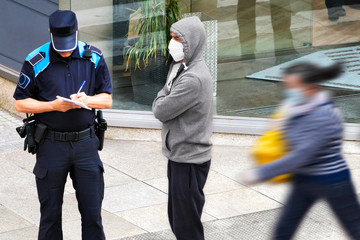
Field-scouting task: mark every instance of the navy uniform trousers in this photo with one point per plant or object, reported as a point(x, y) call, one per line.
point(54, 160)
point(186, 199)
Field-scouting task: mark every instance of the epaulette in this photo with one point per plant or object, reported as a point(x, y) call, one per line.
point(95, 50)
point(37, 58)
point(96, 54)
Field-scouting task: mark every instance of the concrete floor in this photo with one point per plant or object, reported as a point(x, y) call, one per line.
point(135, 200)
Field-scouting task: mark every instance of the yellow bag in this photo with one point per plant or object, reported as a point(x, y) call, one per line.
point(270, 147)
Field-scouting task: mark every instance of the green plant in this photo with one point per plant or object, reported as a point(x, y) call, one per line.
point(155, 18)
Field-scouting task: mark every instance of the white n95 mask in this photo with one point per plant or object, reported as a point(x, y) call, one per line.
point(176, 50)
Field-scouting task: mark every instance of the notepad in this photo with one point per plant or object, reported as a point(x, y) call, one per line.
point(72, 101)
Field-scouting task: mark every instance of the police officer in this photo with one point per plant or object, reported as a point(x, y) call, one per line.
point(58, 68)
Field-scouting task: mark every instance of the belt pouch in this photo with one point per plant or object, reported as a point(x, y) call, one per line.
point(40, 133)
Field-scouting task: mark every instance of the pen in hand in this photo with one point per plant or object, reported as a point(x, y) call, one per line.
point(77, 96)
point(83, 83)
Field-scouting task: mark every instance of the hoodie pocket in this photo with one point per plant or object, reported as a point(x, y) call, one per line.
point(166, 140)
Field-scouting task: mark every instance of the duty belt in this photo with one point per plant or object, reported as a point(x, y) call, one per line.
point(68, 136)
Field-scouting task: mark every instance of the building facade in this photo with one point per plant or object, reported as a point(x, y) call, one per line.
point(249, 43)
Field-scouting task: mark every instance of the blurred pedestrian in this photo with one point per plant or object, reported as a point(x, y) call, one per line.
point(313, 132)
point(185, 107)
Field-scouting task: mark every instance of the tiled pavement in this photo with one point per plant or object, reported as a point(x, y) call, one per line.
point(134, 206)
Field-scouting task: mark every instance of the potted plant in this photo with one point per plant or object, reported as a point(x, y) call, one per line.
point(148, 58)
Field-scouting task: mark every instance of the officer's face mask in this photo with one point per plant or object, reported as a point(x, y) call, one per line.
point(176, 50)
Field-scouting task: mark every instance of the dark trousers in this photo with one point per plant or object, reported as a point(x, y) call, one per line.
point(340, 196)
point(186, 199)
point(54, 160)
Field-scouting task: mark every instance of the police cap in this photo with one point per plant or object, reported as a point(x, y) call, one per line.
point(63, 30)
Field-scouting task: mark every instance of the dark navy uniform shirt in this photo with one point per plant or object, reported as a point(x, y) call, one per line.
point(58, 76)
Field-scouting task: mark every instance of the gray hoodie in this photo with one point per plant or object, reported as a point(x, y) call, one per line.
point(186, 109)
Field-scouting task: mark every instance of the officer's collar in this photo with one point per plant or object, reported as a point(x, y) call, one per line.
point(55, 57)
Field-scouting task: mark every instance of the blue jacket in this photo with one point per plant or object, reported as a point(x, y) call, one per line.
point(314, 140)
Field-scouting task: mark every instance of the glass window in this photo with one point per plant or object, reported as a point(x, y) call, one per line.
point(249, 42)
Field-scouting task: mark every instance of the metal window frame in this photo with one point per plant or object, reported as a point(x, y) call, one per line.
point(222, 124)
point(9, 73)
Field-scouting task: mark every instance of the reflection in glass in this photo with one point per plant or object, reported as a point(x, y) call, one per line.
point(253, 35)
point(280, 20)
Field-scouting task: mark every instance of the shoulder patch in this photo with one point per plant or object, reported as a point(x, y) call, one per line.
point(95, 50)
point(35, 59)
point(24, 81)
point(39, 58)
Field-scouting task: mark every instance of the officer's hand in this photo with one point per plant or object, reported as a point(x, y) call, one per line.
point(80, 97)
point(63, 106)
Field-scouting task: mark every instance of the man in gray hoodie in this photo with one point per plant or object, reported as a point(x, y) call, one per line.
point(185, 107)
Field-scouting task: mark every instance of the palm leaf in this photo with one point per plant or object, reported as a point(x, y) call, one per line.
point(155, 18)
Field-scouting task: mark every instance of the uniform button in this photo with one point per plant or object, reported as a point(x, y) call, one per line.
point(68, 74)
